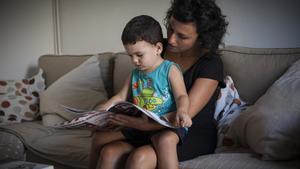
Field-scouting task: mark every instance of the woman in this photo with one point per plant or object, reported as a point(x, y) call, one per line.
point(195, 30)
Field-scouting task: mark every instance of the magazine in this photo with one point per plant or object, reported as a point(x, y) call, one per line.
point(98, 118)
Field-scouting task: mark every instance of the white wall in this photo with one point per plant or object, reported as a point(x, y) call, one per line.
point(96, 25)
point(26, 32)
point(262, 23)
point(91, 26)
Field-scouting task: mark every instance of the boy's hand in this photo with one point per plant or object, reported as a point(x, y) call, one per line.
point(183, 120)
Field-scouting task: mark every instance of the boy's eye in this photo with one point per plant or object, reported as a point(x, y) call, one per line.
point(139, 55)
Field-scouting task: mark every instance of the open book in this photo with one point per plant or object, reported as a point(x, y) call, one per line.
point(98, 119)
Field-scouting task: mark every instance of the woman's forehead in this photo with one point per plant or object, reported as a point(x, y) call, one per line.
point(183, 28)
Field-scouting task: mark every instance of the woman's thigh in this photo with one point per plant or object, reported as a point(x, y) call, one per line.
point(104, 137)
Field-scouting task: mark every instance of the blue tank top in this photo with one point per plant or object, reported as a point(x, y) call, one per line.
point(152, 91)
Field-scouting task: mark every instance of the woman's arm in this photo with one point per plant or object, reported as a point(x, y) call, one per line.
point(200, 93)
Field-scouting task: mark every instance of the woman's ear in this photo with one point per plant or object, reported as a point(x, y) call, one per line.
point(159, 47)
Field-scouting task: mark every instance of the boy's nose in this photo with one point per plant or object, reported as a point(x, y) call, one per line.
point(135, 60)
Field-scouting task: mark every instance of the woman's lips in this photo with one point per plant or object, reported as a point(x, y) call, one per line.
point(171, 47)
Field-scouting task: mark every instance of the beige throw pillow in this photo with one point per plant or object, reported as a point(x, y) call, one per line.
point(271, 127)
point(80, 88)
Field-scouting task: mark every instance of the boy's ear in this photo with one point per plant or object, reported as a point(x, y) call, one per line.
point(159, 47)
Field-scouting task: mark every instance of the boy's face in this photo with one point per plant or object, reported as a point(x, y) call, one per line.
point(144, 55)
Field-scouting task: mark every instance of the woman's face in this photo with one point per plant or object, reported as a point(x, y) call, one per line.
point(181, 36)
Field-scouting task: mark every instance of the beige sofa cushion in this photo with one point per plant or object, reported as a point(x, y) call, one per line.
point(255, 69)
point(236, 161)
point(271, 127)
point(123, 67)
point(55, 66)
point(82, 88)
point(54, 146)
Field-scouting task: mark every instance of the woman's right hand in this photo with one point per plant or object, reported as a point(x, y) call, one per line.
point(140, 123)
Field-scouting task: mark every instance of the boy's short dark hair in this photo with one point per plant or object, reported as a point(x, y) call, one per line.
point(140, 28)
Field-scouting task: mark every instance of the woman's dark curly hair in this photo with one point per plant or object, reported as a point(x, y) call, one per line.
point(210, 22)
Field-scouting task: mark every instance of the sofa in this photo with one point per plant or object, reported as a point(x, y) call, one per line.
point(265, 135)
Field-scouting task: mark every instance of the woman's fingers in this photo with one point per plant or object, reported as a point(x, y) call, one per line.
point(118, 120)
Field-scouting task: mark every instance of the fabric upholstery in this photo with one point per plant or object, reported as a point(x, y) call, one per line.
point(67, 147)
point(255, 69)
point(56, 66)
point(236, 161)
point(81, 88)
point(19, 99)
point(11, 147)
point(271, 126)
point(123, 67)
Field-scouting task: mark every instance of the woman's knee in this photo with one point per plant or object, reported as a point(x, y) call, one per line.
point(137, 156)
point(145, 157)
point(108, 153)
point(115, 150)
point(165, 139)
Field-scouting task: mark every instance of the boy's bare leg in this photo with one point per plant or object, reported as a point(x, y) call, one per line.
point(98, 141)
point(165, 145)
point(113, 155)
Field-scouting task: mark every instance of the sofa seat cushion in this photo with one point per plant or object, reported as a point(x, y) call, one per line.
point(236, 161)
point(66, 147)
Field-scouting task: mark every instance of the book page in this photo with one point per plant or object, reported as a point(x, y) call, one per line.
point(99, 119)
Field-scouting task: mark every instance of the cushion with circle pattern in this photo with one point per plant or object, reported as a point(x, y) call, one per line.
point(19, 99)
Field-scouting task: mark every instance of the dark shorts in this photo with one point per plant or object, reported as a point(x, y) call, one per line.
point(139, 138)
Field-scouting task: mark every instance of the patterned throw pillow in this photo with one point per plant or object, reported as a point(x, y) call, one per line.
point(228, 107)
point(19, 100)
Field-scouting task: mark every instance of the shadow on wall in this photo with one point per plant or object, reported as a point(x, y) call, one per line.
point(31, 71)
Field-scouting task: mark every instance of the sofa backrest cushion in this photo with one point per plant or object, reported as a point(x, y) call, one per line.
point(55, 66)
point(253, 70)
point(82, 88)
point(123, 67)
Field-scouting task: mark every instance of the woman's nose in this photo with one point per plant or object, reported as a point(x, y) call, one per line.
point(172, 39)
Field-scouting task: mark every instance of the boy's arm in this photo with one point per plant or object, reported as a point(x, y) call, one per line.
point(180, 95)
point(120, 96)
